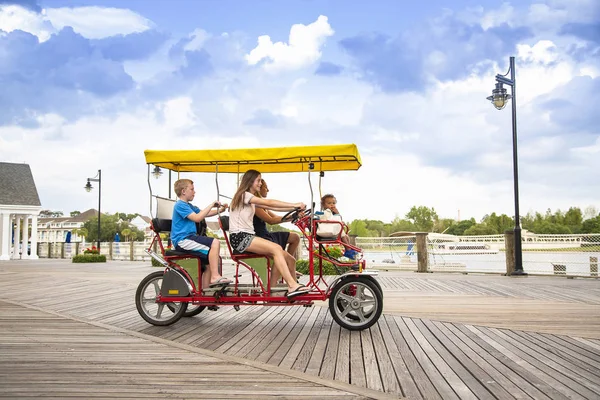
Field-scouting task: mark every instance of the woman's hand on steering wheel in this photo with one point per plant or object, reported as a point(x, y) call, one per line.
point(295, 214)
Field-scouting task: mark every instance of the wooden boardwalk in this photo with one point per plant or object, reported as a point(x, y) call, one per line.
point(441, 336)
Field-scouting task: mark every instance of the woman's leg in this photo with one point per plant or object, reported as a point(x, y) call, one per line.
point(293, 242)
point(291, 264)
point(262, 246)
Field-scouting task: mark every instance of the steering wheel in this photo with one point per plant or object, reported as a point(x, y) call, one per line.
point(293, 215)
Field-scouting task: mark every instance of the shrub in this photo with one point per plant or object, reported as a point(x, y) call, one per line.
point(328, 268)
point(93, 250)
point(89, 258)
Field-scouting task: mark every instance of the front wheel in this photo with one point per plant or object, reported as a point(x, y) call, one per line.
point(155, 312)
point(356, 303)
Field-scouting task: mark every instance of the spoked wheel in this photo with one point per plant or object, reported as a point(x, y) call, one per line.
point(154, 312)
point(356, 303)
point(191, 309)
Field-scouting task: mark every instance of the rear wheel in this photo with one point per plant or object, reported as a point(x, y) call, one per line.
point(356, 303)
point(153, 311)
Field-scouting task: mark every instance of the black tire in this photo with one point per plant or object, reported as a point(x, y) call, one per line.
point(150, 309)
point(352, 315)
point(356, 303)
point(193, 309)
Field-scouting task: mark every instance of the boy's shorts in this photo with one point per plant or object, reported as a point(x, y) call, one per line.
point(197, 244)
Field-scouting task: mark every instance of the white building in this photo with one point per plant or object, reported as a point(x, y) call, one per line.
point(55, 229)
point(19, 209)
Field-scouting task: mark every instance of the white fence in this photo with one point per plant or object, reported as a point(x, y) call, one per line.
point(573, 255)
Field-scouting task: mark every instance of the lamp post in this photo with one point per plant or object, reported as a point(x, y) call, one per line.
point(499, 99)
point(88, 187)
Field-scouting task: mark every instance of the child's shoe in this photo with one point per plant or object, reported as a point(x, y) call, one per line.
point(350, 253)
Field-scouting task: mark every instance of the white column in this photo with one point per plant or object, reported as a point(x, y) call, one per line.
point(34, 234)
point(15, 254)
point(25, 237)
point(6, 235)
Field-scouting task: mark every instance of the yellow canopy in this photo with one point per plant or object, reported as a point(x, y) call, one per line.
point(341, 157)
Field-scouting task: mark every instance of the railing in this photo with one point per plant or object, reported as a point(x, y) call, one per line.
point(569, 255)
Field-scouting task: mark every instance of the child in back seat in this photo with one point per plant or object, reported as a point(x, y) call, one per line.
point(329, 202)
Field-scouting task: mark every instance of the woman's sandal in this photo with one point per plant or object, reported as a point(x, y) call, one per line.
point(302, 289)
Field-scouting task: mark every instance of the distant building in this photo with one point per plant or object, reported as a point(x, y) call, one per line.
point(19, 209)
point(142, 223)
point(55, 229)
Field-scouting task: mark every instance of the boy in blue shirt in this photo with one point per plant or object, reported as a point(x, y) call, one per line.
point(183, 231)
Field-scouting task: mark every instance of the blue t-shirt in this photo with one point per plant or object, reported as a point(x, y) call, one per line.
point(181, 226)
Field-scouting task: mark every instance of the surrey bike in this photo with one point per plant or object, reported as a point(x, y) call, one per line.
point(163, 297)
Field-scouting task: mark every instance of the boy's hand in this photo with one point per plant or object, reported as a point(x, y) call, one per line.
point(334, 210)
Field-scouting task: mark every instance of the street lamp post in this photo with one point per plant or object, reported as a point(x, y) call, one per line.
point(88, 188)
point(499, 99)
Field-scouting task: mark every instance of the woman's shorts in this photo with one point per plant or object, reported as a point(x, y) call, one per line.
point(281, 238)
point(240, 241)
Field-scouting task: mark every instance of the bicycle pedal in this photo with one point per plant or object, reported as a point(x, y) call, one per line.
point(212, 308)
point(236, 307)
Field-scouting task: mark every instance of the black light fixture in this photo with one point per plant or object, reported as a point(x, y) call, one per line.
point(88, 187)
point(499, 98)
point(156, 172)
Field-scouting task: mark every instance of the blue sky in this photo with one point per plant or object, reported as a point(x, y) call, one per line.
point(91, 84)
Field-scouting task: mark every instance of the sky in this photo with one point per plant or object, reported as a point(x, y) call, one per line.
point(89, 85)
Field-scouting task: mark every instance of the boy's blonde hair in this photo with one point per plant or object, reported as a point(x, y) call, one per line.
point(181, 184)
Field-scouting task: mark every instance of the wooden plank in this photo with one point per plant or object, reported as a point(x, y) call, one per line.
point(484, 356)
point(320, 346)
point(370, 360)
point(421, 379)
point(384, 361)
point(566, 373)
point(472, 363)
point(459, 388)
point(357, 365)
point(306, 352)
point(342, 364)
point(331, 351)
point(531, 364)
point(291, 355)
point(295, 331)
point(51, 356)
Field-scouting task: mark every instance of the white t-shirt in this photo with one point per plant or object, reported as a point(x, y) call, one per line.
point(240, 219)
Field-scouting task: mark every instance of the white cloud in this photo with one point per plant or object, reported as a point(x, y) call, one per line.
point(91, 22)
point(302, 49)
point(178, 113)
point(98, 22)
point(15, 17)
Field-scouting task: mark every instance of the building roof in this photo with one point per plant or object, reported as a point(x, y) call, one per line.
point(18, 186)
point(83, 217)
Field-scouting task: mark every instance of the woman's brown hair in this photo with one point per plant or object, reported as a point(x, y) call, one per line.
point(245, 185)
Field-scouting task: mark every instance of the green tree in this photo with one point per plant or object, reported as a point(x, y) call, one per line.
point(402, 225)
point(480, 229)
point(422, 217)
point(126, 233)
point(359, 227)
point(591, 225)
point(552, 228)
point(75, 213)
point(460, 227)
point(499, 223)
point(81, 232)
point(441, 225)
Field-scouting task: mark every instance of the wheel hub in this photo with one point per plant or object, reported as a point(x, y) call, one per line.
point(355, 304)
